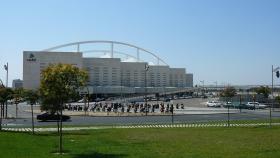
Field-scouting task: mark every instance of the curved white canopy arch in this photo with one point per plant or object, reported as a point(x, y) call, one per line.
point(112, 43)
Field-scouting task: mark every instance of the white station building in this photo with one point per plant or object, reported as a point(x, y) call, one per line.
point(108, 75)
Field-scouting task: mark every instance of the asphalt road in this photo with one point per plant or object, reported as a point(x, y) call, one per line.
point(118, 120)
point(24, 118)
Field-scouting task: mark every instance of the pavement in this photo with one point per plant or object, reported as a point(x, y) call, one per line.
point(195, 111)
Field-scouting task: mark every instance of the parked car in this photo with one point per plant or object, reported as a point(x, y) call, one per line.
point(167, 99)
point(213, 104)
point(52, 117)
point(228, 104)
point(255, 105)
point(188, 97)
point(241, 106)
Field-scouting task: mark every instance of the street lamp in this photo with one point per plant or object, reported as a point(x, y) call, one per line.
point(216, 82)
point(2, 85)
point(146, 69)
point(86, 100)
point(202, 87)
point(276, 70)
point(6, 67)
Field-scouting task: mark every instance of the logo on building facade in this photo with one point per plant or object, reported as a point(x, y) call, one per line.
point(31, 57)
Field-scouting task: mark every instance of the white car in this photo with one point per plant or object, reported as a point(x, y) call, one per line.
point(255, 105)
point(213, 104)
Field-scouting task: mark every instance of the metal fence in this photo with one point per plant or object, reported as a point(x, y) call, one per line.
point(155, 113)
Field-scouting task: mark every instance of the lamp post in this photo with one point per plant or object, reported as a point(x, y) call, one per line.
point(272, 95)
point(146, 106)
point(6, 67)
point(202, 87)
point(86, 100)
point(5, 112)
point(2, 85)
point(216, 83)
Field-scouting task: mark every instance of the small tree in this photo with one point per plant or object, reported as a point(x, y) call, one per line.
point(277, 99)
point(263, 90)
point(228, 92)
point(5, 95)
point(59, 84)
point(31, 97)
point(18, 96)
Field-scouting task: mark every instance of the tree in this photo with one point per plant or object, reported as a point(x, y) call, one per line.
point(18, 95)
point(5, 95)
point(228, 92)
point(59, 83)
point(277, 98)
point(31, 97)
point(263, 90)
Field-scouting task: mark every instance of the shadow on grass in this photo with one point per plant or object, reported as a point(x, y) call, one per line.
point(80, 133)
point(99, 155)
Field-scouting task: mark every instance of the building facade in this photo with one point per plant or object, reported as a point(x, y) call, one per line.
point(110, 73)
point(17, 83)
point(189, 80)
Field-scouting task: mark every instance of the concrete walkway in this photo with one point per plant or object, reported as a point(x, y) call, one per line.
point(140, 126)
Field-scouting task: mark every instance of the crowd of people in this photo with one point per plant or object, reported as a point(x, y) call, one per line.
point(124, 107)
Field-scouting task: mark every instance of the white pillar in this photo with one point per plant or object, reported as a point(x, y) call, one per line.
point(138, 57)
point(112, 50)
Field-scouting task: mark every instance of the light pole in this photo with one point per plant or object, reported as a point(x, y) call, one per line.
point(86, 100)
point(2, 85)
point(216, 83)
point(122, 98)
point(146, 106)
point(6, 67)
point(202, 87)
point(272, 95)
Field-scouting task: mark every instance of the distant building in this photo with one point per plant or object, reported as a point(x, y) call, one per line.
point(189, 80)
point(107, 75)
point(17, 83)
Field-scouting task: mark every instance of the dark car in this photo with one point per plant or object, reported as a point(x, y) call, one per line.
point(52, 117)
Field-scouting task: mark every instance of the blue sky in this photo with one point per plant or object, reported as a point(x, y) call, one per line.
point(229, 41)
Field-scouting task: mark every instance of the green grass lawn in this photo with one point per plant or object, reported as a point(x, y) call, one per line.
point(253, 142)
